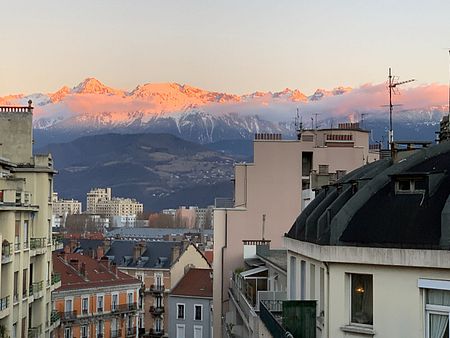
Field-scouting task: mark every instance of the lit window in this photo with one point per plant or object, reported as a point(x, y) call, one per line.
point(362, 299)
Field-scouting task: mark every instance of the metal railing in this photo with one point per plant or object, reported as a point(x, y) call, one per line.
point(157, 288)
point(157, 310)
point(116, 333)
point(56, 278)
point(16, 246)
point(35, 332)
point(156, 333)
point(4, 303)
point(131, 331)
point(68, 315)
point(54, 317)
point(124, 307)
point(37, 243)
point(6, 249)
point(36, 287)
point(271, 323)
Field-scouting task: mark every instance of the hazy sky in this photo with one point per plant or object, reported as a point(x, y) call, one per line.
point(235, 46)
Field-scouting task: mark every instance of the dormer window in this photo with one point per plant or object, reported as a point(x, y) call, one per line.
point(410, 185)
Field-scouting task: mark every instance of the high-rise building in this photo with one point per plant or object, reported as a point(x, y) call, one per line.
point(26, 186)
point(62, 208)
point(99, 201)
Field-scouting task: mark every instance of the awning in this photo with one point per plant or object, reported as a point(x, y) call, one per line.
point(251, 272)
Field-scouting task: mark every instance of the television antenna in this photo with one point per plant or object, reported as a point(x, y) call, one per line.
point(393, 90)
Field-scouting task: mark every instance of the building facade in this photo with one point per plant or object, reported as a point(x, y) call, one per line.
point(271, 191)
point(99, 201)
point(190, 305)
point(26, 272)
point(372, 250)
point(95, 299)
point(62, 208)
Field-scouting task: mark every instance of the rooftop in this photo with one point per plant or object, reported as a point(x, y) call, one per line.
point(389, 204)
point(195, 283)
point(83, 272)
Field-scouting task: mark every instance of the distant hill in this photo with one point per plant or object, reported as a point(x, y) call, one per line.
point(160, 170)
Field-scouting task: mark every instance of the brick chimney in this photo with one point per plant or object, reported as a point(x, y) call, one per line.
point(75, 263)
point(83, 269)
point(138, 250)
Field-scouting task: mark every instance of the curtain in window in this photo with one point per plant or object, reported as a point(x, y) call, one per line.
point(438, 297)
point(438, 325)
point(362, 299)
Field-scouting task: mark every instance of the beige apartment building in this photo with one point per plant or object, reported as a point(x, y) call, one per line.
point(271, 191)
point(63, 207)
point(26, 272)
point(100, 201)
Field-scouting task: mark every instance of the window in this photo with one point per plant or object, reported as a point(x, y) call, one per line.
point(85, 305)
point(302, 280)
point(180, 311)
point(293, 277)
point(198, 312)
point(437, 313)
point(312, 281)
point(114, 301)
point(181, 331)
point(198, 331)
point(99, 303)
point(362, 299)
point(130, 297)
point(84, 331)
point(100, 326)
point(69, 305)
point(68, 332)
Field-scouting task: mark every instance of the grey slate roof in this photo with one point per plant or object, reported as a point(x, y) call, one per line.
point(364, 209)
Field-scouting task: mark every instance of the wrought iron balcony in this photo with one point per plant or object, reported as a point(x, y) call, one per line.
point(131, 331)
point(116, 333)
point(129, 307)
point(54, 317)
point(155, 333)
point(37, 243)
point(157, 288)
point(157, 310)
point(56, 278)
point(68, 316)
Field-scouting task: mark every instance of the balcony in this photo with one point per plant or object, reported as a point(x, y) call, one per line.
point(4, 307)
point(121, 308)
point(68, 316)
point(154, 333)
point(37, 290)
point(116, 333)
point(7, 252)
point(55, 320)
point(57, 243)
point(35, 332)
point(38, 246)
point(156, 289)
point(157, 310)
point(131, 332)
point(56, 280)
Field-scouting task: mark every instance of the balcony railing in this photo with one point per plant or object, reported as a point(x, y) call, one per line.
point(154, 333)
point(157, 310)
point(54, 317)
point(116, 333)
point(131, 331)
point(37, 243)
point(6, 249)
point(157, 288)
point(35, 332)
point(36, 287)
point(16, 246)
point(56, 278)
point(68, 315)
point(4, 303)
point(269, 320)
point(124, 307)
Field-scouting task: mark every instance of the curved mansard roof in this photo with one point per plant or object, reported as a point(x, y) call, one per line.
point(372, 206)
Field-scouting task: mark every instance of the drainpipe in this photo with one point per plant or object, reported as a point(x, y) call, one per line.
point(327, 308)
point(223, 250)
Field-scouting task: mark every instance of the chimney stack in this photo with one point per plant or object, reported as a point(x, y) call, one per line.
point(175, 252)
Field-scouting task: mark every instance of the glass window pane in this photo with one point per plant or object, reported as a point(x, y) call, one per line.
point(362, 299)
point(438, 326)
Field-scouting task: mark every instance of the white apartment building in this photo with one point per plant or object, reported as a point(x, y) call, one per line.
point(373, 250)
point(271, 191)
point(26, 270)
point(99, 201)
point(63, 207)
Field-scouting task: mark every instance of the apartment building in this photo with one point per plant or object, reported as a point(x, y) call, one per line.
point(95, 299)
point(26, 271)
point(190, 305)
point(99, 201)
point(270, 192)
point(158, 264)
point(372, 251)
point(62, 208)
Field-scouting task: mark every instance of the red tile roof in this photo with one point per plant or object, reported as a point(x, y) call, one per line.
point(97, 274)
point(209, 255)
point(195, 283)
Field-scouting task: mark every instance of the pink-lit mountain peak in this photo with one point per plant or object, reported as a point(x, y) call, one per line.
point(94, 86)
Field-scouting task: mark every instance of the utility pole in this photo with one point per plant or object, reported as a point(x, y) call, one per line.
point(393, 83)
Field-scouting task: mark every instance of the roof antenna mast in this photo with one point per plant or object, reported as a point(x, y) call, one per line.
point(298, 125)
point(393, 83)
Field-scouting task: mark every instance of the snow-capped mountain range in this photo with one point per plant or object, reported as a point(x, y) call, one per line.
point(200, 115)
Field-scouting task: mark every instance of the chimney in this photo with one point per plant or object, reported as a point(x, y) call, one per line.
point(113, 267)
point(83, 269)
point(100, 252)
point(138, 249)
point(175, 252)
point(104, 261)
point(75, 263)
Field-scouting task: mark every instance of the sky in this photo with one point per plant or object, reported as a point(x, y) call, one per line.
point(232, 46)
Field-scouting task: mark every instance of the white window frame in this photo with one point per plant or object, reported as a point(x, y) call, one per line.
point(201, 312)
point(97, 302)
point(68, 330)
point(201, 330)
point(130, 292)
point(118, 300)
point(349, 288)
point(155, 277)
point(65, 303)
point(184, 311)
point(87, 331)
point(180, 326)
point(435, 310)
point(82, 299)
